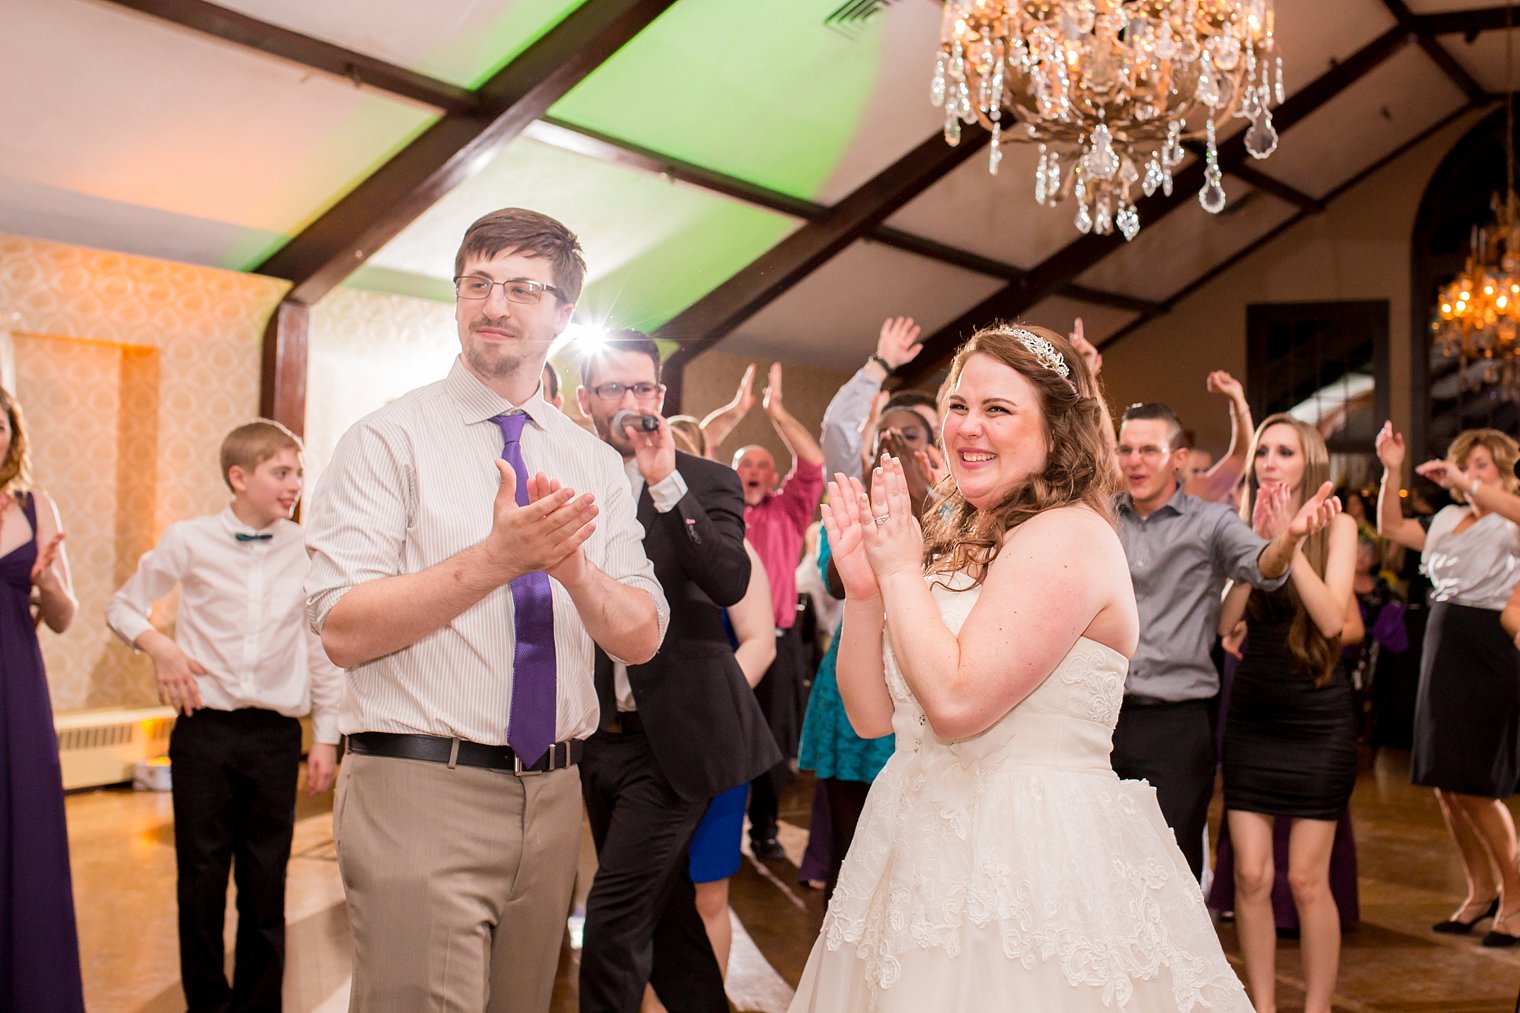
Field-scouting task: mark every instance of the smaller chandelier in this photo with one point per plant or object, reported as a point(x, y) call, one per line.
point(1478, 314)
point(1110, 89)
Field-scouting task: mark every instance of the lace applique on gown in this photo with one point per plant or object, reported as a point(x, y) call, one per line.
point(1014, 870)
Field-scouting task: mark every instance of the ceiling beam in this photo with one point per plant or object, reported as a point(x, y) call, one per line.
point(1176, 297)
point(1066, 264)
point(447, 153)
point(359, 68)
point(1246, 173)
point(1453, 70)
point(717, 314)
point(1468, 22)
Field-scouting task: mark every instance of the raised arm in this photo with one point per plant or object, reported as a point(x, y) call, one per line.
point(1219, 481)
point(1391, 522)
point(754, 623)
point(719, 423)
point(794, 434)
point(1490, 497)
point(860, 667)
point(845, 419)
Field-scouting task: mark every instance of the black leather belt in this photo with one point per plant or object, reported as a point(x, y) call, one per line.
point(436, 749)
point(624, 723)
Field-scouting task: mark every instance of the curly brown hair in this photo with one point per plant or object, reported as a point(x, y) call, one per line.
point(1080, 466)
point(1315, 653)
point(15, 468)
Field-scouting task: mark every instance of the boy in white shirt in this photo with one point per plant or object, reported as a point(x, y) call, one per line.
point(241, 668)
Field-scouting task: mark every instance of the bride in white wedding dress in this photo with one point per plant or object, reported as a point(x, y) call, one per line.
point(999, 863)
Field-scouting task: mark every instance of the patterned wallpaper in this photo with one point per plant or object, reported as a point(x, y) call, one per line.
point(130, 370)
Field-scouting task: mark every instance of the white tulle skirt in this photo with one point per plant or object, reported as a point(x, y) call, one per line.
point(1014, 889)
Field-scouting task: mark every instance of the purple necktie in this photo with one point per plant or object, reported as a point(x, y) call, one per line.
point(530, 727)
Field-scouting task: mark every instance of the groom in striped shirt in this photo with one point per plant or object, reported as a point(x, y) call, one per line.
point(470, 545)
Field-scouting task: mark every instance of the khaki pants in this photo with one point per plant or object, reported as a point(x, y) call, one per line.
point(458, 882)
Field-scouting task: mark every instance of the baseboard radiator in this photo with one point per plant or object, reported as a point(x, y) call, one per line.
point(99, 747)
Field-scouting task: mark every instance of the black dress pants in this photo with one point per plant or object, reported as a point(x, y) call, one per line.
point(1171, 745)
point(642, 924)
point(234, 809)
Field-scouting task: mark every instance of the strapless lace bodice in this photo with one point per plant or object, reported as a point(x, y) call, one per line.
point(1066, 723)
point(1014, 870)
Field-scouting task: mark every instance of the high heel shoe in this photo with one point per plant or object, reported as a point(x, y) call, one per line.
point(1496, 938)
point(1461, 928)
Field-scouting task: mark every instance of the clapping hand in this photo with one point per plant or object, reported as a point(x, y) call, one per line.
point(894, 541)
point(1316, 514)
point(772, 396)
point(842, 519)
point(45, 571)
point(744, 396)
point(542, 534)
point(1271, 517)
point(914, 465)
point(1390, 449)
point(1222, 383)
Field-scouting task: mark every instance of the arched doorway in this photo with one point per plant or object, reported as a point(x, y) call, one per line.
point(1456, 199)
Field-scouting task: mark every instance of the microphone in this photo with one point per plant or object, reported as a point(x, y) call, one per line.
point(627, 417)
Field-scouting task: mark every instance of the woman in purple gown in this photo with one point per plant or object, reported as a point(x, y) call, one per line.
point(39, 948)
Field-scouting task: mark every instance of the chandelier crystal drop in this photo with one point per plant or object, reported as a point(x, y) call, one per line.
point(1109, 89)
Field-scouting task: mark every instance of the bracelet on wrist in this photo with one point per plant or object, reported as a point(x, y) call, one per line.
point(881, 362)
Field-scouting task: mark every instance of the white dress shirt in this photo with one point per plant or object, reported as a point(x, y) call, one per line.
point(241, 616)
point(665, 493)
point(411, 485)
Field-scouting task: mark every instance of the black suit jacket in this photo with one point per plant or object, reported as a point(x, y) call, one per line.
point(704, 727)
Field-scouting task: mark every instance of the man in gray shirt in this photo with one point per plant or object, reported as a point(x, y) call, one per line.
point(1181, 550)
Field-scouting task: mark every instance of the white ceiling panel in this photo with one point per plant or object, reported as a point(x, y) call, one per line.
point(459, 41)
point(118, 107)
point(1383, 110)
point(1170, 254)
point(995, 216)
point(831, 319)
point(1484, 58)
point(1058, 313)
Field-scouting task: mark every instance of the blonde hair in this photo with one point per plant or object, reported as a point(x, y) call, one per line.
point(689, 435)
point(253, 443)
point(16, 467)
point(1080, 466)
point(1315, 653)
point(1500, 446)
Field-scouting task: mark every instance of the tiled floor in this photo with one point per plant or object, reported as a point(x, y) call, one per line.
point(124, 881)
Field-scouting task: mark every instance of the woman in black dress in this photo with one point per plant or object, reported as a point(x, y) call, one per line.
point(1467, 707)
point(1290, 735)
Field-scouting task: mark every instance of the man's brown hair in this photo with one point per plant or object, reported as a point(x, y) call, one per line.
point(532, 234)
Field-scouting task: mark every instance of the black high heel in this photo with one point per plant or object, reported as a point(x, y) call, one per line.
point(1461, 928)
point(1498, 939)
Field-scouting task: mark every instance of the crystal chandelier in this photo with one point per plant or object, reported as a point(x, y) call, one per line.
point(1478, 313)
point(1110, 89)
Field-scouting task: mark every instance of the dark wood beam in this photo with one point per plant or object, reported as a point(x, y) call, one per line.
point(1468, 22)
point(717, 314)
point(443, 156)
point(1076, 257)
point(361, 69)
point(615, 151)
point(1176, 297)
point(1453, 70)
point(1246, 173)
point(282, 369)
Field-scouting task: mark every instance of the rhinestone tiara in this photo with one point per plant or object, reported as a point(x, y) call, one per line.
point(1042, 350)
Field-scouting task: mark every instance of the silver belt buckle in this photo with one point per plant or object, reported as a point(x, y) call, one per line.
point(517, 764)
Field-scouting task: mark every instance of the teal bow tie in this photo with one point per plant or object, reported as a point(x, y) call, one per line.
point(252, 538)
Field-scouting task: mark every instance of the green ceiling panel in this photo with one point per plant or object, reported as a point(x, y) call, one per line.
point(474, 55)
point(761, 91)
